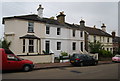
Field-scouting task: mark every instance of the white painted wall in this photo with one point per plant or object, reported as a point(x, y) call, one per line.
point(40, 58)
point(106, 44)
point(65, 38)
point(20, 28)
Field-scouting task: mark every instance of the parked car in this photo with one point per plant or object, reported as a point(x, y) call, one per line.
point(83, 59)
point(11, 62)
point(116, 58)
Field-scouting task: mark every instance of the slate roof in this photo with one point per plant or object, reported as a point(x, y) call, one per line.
point(116, 39)
point(29, 37)
point(96, 31)
point(34, 17)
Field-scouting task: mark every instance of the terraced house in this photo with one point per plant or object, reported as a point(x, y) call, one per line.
point(33, 34)
point(96, 34)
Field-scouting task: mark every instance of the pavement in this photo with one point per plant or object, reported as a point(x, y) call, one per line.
point(59, 65)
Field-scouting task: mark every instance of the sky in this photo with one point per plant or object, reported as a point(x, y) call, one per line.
point(94, 13)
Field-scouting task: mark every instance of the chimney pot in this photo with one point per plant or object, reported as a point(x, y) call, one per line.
point(103, 27)
point(94, 26)
point(40, 11)
point(113, 34)
point(82, 23)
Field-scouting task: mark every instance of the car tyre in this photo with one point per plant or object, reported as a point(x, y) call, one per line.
point(81, 64)
point(26, 68)
point(95, 63)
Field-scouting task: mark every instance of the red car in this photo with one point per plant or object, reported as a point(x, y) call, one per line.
point(116, 58)
point(11, 62)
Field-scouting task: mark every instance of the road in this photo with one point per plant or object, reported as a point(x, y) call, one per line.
point(104, 71)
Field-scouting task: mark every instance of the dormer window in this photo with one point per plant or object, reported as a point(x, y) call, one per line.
point(30, 27)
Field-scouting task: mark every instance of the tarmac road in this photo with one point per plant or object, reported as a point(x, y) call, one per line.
point(105, 71)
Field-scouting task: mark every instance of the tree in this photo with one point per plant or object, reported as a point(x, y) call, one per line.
point(118, 50)
point(4, 44)
point(95, 47)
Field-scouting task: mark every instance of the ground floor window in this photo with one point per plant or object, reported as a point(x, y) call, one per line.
point(81, 46)
point(58, 45)
point(47, 46)
point(74, 45)
point(31, 46)
point(23, 45)
point(107, 49)
point(111, 49)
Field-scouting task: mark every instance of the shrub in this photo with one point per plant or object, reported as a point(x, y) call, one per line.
point(64, 53)
point(5, 43)
point(104, 53)
point(95, 47)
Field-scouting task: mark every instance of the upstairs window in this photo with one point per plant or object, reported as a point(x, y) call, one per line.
point(103, 39)
point(73, 33)
point(94, 38)
point(58, 31)
point(81, 46)
point(108, 40)
point(47, 30)
point(100, 38)
point(30, 27)
point(81, 34)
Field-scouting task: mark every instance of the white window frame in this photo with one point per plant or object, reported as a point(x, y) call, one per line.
point(30, 27)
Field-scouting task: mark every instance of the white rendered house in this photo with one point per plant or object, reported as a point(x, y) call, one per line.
point(31, 34)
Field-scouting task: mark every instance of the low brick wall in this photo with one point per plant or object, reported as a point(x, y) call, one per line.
point(39, 58)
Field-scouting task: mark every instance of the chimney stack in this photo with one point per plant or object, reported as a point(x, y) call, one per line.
point(94, 26)
point(103, 27)
point(113, 34)
point(61, 17)
point(82, 23)
point(40, 11)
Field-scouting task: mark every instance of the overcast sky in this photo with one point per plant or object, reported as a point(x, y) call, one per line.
point(94, 13)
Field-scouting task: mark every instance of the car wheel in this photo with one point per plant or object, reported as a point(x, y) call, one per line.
point(81, 64)
point(26, 68)
point(72, 64)
point(95, 63)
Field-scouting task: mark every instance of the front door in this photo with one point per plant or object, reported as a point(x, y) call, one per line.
point(47, 46)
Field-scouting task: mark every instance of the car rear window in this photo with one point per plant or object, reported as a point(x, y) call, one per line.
point(8, 51)
point(78, 55)
point(117, 55)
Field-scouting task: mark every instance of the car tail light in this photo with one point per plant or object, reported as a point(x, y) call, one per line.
point(77, 59)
